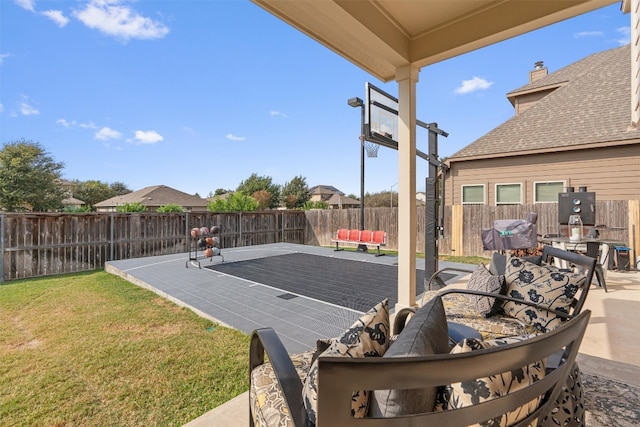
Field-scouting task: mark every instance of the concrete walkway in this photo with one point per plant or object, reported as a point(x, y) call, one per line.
point(610, 346)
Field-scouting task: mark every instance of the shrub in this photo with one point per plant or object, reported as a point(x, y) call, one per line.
point(131, 207)
point(171, 207)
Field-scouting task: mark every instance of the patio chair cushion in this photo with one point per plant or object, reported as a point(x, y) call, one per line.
point(367, 337)
point(460, 309)
point(424, 334)
point(499, 262)
point(482, 280)
point(467, 393)
point(543, 284)
point(268, 405)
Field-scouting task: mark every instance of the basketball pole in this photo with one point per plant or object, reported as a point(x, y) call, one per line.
point(357, 102)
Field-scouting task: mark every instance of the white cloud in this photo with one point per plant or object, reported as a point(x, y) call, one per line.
point(148, 136)
point(26, 4)
point(475, 84)
point(588, 34)
point(277, 113)
point(232, 137)
point(2, 56)
point(107, 133)
point(114, 19)
point(66, 124)
point(626, 32)
point(26, 109)
point(57, 17)
point(73, 124)
point(1, 107)
point(89, 125)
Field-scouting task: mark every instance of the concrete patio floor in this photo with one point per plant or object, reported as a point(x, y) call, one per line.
point(610, 346)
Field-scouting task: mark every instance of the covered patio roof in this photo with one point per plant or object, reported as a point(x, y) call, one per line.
point(394, 39)
point(381, 36)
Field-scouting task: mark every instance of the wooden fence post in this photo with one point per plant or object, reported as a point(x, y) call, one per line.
point(2, 247)
point(111, 238)
point(457, 230)
point(634, 230)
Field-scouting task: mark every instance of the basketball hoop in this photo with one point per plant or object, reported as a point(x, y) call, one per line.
point(371, 149)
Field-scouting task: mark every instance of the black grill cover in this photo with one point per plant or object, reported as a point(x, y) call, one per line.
point(511, 234)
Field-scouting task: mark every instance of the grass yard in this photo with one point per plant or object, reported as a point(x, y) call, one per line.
point(92, 349)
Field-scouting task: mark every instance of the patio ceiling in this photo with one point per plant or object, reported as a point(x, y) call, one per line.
point(381, 36)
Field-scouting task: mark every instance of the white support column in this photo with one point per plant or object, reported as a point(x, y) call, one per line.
point(407, 78)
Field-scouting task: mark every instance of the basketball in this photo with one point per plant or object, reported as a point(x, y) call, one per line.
point(209, 241)
point(204, 230)
point(208, 252)
point(195, 232)
point(215, 229)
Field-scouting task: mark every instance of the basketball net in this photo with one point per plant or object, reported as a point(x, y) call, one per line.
point(370, 147)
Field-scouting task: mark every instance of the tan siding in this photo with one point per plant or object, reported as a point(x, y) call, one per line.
point(612, 172)
point(524, 102)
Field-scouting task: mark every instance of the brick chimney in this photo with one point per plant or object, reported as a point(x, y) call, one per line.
point(539, 71)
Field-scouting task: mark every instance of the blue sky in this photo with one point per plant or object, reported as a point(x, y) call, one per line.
point(199, 95)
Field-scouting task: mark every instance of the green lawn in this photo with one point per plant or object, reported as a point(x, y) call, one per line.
point(94, 350)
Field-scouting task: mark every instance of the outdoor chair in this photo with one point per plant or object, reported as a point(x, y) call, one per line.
point(465, 321)
point(339, 376)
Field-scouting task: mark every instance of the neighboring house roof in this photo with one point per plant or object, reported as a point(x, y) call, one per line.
point(222, 196)
point(589, 107)
point(324, 189)
point(158, 195)
point(72, 201)
point(340, 201)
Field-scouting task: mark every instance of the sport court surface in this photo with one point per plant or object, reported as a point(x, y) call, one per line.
point(303, 292)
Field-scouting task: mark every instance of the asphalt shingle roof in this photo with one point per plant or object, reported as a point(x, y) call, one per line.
point(157, 195)
point(591, 105)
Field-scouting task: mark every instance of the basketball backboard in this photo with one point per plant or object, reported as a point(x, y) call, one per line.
point(381, 117)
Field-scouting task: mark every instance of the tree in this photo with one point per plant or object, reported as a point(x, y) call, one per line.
point(377, 200)
point(255, 183)
point(295, 193)
point(263, 197)
point(119, 188)
point(29, 178)
point(236, 202)
point(93, 191)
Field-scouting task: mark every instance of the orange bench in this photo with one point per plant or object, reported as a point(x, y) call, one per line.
point(360, 237)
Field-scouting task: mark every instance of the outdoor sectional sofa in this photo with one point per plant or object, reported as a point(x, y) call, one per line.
point(414, 374)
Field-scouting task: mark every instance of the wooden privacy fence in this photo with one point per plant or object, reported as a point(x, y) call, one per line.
point(40, 244)
point(463, 224)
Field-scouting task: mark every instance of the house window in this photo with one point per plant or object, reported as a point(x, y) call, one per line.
point(508, 194)
point(473, 194)
point(547, 192)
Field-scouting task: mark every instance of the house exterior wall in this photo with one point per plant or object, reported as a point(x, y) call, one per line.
point(613, 173)
point(526, 101)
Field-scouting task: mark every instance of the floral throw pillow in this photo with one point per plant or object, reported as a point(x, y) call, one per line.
point(467, 393)
point(540, 284)
point(367, 337)
point(482, 280)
